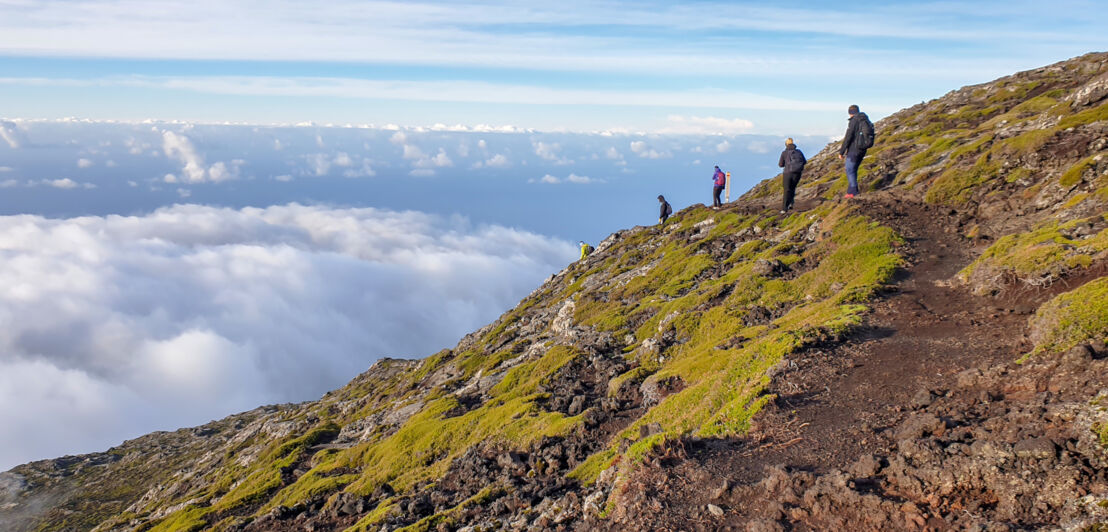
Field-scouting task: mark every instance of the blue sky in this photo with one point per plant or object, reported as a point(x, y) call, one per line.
point(768, 68)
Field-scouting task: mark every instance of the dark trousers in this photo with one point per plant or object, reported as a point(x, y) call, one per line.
point(716, 191)
point(851, 165)
point(789, 180)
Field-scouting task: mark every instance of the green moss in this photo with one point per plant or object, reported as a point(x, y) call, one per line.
point(189, 519)
point(264, 476)
point(383, 510)
point(1088, 116)
point(1075, 173)
point(1041, 253)
point(1076, 200)
point(587, 472)
point(643, 448)
point(1035, 105)
point(425, 445)
point(1018, 174)
point(958, 183)
point(724, 386)
point(1072, 318)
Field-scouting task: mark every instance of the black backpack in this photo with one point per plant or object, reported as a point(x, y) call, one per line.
point(669, 210)
point(866, 134)
point(794, 161)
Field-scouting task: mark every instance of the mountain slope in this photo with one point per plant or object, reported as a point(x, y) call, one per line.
point(864, 346)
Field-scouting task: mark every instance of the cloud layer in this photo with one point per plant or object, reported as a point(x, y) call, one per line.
point(116, 326)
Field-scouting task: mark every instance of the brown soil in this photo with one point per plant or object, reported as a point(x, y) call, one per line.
point(840, 405)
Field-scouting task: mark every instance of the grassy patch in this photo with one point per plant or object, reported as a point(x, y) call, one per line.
point(1037, 256)
point(723, 362)
point(1072, 318)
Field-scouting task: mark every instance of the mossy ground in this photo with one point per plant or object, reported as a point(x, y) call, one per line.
point(1072, 318)
point(1040, 255)
point(722, 361)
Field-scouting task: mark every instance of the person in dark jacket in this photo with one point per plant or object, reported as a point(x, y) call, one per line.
point(719, 180)
point(853, 149)
point(664, 211)
point(793, 161)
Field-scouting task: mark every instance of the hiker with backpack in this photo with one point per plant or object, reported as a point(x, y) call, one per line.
point(793, 161)
point(665, 211)
point(585, 249)
point(719, 180)
point(859, 138)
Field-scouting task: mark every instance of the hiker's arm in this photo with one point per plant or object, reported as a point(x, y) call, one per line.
point(851, 130)
point(781, 159)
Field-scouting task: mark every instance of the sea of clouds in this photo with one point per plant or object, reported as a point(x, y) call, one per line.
point(160, 275)
point(114, 326)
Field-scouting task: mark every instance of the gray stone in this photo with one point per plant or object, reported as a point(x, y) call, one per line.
point(577, 405)
point(920, 425)
point(715, 510)
point(1040, 448)
point(922, 399)
point(865, 467)
point(650, 429)
point(768, 268)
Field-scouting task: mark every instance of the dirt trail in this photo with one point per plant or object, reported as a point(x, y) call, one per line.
point(835, 404)
point(838, 403)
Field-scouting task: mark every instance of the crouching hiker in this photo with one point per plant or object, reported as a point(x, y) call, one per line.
point(664, 211)
point(793, 161)
point(585, 249)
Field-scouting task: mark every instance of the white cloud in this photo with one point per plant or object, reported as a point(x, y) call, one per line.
point(642, 149)
point(706, 125)
point(184, 192)
point(4, 169)
point(116, 326)
point(135, 147)
point(422, 172)
point(319, 164)
point(723, 147)
point(342, 159)
point(580, 179)
point(442, 159)
point(11, 134)
point(758, 146)
point(180, 148)
point(496, 161)
point(549, 151)
point(572, 178)
point(61, 183)
point(413, 152)
point(84, 163)
point(9, 183)
point(366, 170)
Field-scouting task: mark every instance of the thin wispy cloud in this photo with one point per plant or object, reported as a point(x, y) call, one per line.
point(620, 66)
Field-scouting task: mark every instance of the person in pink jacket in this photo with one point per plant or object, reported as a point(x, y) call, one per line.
point(719, 179)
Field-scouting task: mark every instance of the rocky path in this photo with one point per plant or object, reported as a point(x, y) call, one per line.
point(835, 404)
point(842, 402)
